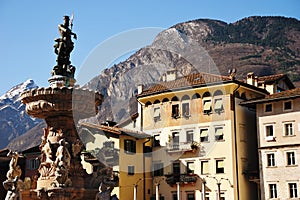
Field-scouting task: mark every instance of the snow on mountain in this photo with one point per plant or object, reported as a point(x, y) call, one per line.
point(13, 119)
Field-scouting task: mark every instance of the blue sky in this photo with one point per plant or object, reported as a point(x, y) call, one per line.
point(28, 28)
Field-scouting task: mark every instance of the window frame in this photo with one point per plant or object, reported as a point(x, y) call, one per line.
point(284, 105)
point(286, 129)
point(267, 134)
point(291, 158)
point(204, 101)
point(175, 114)
point(130, 170)
point(266, 106)
point(176, 168)
point(206, 138)
point(188, 167)
point(220, 170)
point(218, 110)
point(271, 161)
point(131, 149)
point(156, 109)
point(273, 191)
point(219, 137)
point(206, 167)
point(189, 136)
point(184, 109)
point(293, 191)
point(158, 169)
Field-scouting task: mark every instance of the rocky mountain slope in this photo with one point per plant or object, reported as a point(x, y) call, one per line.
point(14, 121)
point(264, 45)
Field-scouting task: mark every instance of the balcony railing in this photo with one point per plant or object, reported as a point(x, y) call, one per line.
point(181, 146)
point(172, 179)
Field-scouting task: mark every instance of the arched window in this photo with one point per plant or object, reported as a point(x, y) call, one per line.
point(148, 103)
point(206, 94)
point(175, 98)
point(185, 97)
point(156, 101)
point(218, 92)
point(165, 100)
point(196, 96)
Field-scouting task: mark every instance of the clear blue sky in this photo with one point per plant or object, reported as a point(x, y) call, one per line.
point(28, 28)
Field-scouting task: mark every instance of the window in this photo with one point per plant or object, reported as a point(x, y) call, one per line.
point(218, 105)
point(293, 190)
point(269, 130)
point(190, 167)
point(174, 196)
point(176, 168)
point(219, 135)
point(186, 109)
point(158, 169)
point(175, 111)
point(207, 106)
point(33, 164)
point(130, 170)
point(175, 140)
point(189, 136)
point(288, 129)
point(129, 146)
point(271, 159)
point(273, 190)
point(156, 114)
point(190, 196)
point(287, 105)
point(268, 108)
point(291, 158)
point(219, 166)
point(204, 135)
point(204, 167)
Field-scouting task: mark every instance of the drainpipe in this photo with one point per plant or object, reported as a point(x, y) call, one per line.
point(134, 192)
point(144, 170)
point(156, 191)
point(178, 190)
point(235, 142)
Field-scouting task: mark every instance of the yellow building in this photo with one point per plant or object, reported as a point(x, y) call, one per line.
point(134, 159)
point(204, 141)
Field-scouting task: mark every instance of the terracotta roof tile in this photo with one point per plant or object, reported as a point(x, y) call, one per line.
point(271, 78)
point(186, 81)
point(287, 93)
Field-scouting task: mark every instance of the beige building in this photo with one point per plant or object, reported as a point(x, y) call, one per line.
point(205, 143)
point(278, 117)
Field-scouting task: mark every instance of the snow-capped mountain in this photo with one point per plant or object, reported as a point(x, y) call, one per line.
point(13, 119)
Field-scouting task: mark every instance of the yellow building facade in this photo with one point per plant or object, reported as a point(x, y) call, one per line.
point(204, 141)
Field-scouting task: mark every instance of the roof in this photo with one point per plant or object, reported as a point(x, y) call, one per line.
point(191, 80)
point(287, 94)
point(115, 131)
point(276, 77)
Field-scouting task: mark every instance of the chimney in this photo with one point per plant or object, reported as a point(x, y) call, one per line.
point(140, 88)
point(250, 78)
point(170, 75)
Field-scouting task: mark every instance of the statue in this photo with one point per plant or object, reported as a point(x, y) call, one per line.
point(12, 184)
point(62, 165)
point(63, 48)
point(14, 169)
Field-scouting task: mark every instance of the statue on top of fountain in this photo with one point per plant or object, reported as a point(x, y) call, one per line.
point(63, 48)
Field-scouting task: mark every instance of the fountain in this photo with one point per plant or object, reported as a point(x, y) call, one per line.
point(62, 105)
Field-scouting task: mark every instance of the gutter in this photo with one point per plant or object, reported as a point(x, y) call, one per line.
point(144, 170)
point(235, 142)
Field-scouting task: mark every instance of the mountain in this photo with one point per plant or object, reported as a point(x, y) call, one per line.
point(264, 45)
point(13, 119)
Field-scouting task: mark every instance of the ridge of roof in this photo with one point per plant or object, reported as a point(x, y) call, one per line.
point(188, 80)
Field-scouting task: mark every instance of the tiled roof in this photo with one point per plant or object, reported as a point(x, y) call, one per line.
point(186, 81)
point(287, 93)
point(271, 78)
point(276, 96)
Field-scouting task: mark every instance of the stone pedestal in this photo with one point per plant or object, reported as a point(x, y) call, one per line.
point(62, 175)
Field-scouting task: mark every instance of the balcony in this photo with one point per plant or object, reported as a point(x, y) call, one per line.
point(172, 179)
point(182, 146)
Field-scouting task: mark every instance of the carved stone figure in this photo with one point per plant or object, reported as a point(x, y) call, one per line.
point(62, 164)
point(14, 169)
point(12, 189)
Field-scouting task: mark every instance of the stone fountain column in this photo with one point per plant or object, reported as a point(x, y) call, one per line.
point(62, 105)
